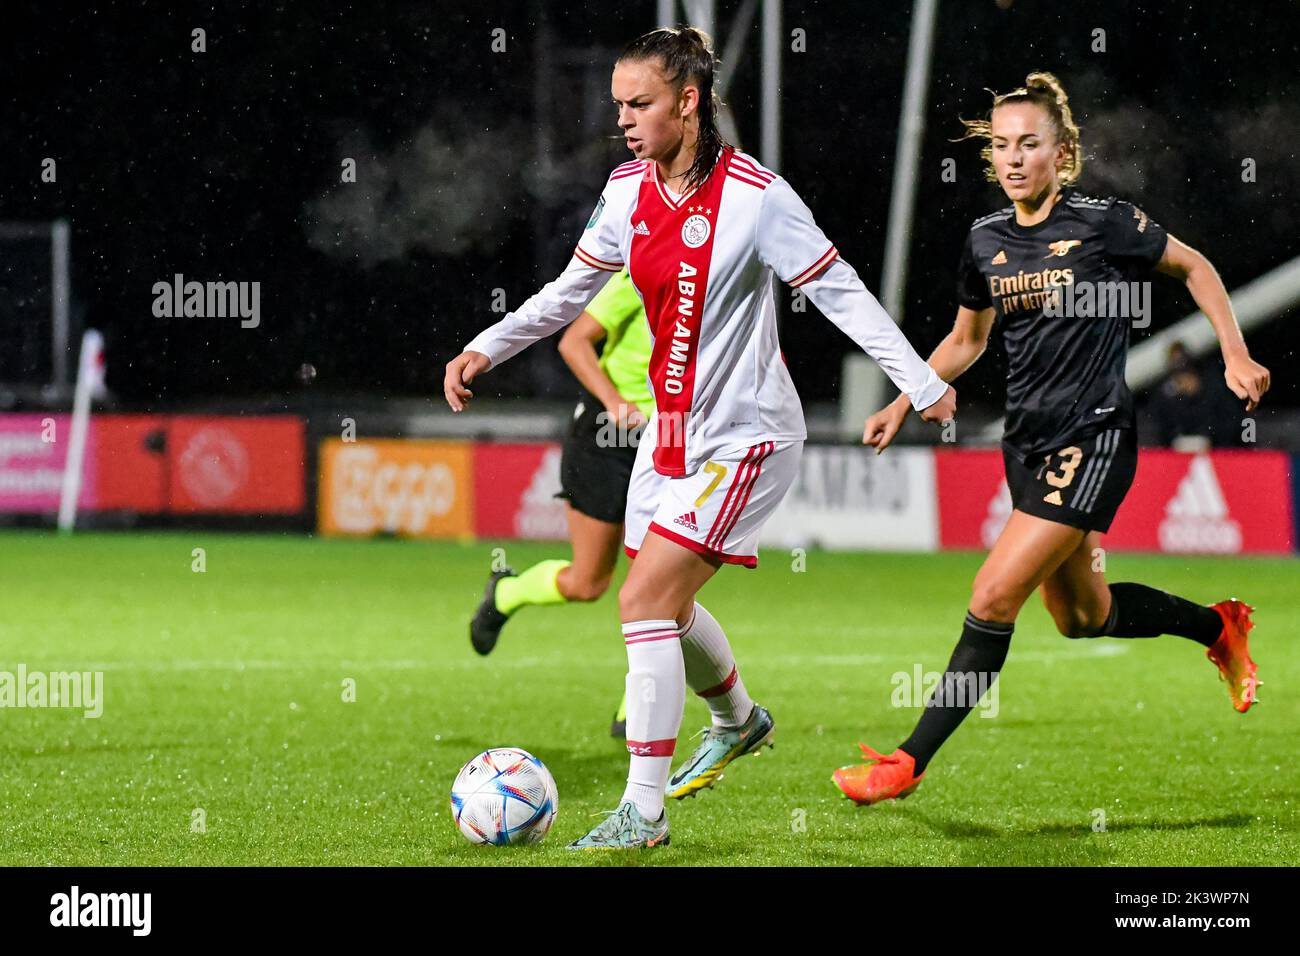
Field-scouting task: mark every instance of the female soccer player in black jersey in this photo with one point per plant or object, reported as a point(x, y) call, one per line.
point(1046, 266)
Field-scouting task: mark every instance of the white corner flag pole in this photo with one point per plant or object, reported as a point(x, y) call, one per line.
point(92, 348)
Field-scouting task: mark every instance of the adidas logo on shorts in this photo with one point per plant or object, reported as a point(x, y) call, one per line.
point(687, 521)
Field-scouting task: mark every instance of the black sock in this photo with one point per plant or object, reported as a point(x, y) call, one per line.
point(1139, 611)
point(975, 663)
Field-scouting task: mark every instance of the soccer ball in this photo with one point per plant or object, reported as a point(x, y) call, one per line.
point(504, 795)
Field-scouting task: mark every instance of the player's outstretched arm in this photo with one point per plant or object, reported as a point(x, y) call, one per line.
point(557, 304)
point(840, 295)
point(959, 350)
point(792, 245)
point(1247, 378)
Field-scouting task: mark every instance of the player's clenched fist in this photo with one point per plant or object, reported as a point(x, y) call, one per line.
point(1247, 378)
point(460, 372)
point(942, 410)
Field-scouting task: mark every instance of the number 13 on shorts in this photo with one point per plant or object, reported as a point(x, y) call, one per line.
point(1068, 465)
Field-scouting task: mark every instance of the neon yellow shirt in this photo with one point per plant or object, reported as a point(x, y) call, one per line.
point(625, 357)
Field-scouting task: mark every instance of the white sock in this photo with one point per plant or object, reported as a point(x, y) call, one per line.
point(711, 671)
point(656, 694)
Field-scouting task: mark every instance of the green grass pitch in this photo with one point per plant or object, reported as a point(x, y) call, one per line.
point(223, 692)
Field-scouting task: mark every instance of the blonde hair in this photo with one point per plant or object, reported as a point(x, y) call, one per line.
point(1046, 91)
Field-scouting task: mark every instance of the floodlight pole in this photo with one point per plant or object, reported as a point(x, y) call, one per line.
point(862, 385)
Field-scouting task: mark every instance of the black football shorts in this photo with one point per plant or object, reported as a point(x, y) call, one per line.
point(1081, 484)
point(596, 463)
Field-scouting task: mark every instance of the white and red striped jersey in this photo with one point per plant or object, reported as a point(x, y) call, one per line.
point(702, 264)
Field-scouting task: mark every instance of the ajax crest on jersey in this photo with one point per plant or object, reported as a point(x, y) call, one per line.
point(504, 795)
point(695, 231)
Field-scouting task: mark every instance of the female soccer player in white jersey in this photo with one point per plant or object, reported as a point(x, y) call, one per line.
point(1070, 447)
point(702, 228)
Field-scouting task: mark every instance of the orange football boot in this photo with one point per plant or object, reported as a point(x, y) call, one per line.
point(887, 778)
point(1231, 655)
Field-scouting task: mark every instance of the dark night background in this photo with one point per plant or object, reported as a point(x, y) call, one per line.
point(477, 170)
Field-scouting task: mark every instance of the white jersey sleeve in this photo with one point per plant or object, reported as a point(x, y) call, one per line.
point(789, 241)
point(842, 298)
point(596, 259)
point(601, 245)
point(792, 244)
point(558, 303)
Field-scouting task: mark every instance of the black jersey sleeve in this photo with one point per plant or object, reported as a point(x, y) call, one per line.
point(972, 290)
point(1133, 235)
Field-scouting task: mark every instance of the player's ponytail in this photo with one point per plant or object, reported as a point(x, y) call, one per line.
point(686, 55)
point(1045, 90)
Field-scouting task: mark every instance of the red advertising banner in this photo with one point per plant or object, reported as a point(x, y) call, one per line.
point(155, 463)
point(514, 492)
point(251, 465)
point(130, 468)
point(974, 502)
point(1221, 502)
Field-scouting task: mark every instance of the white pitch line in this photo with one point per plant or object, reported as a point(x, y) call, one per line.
point(1093, 651)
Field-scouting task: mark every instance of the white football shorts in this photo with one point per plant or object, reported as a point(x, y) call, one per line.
point(717, 511)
